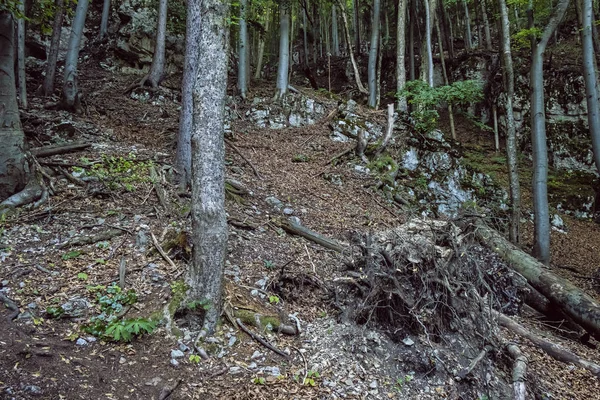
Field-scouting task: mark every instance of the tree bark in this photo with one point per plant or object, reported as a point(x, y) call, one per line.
point(446, 80)
point(400, 55)
point(582, 308)
point(589, 75)
point(429, 17)
point(243, 49)
point(183, 158)
point(13, 174)
point(355, 23)
point(261, 46)
point(511, 135)
point(468, 42)
point(284, 49)
point(209, 220)
point(486, 25)
point(157, 69)
point(538, 137)
point(372, 68)
point(70, 93)
point(359, 84)
point(104, 20)
point(335, 31)
point(21, 57)
point(48, 86)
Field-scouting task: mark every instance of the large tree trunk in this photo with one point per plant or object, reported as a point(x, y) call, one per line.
point(12, 158)
point(284, 49)
point(157, 69)
point(372, 68)
point(589, 75)
point(70, 94)
point(209, 220)
point(582, 308)
point(511, 136)
point(104, 20)
point(411, 47)
point(190, 72)
point(243, 49)
point(400, 54)
point(541, 247)
point(429, 17)
point(48, 86)
point(21, 57)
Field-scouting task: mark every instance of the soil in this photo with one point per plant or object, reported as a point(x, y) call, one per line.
point(40, 357)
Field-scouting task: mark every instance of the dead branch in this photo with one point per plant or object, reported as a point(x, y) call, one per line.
point(389, 131)
point(243, 158)
point(99, 237)
point(261, 340)
point(553, 350)
point(519, 371)
point(296, 229)
point(465, 372)
point(162, 252)
point(52, 150)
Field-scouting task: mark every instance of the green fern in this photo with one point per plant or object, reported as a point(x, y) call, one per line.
point(126, 329)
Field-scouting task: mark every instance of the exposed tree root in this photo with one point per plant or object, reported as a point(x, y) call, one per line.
point(261, 340)
point(519, 371)
point(32, 192)
point(52, 150)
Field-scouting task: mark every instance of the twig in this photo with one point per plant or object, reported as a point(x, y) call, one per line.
point(244, 158)
point(162, 252)
point(261, 340)
point(305, 364)
point(310, 260)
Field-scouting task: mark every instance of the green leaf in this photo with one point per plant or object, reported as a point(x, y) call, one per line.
point(70, 255)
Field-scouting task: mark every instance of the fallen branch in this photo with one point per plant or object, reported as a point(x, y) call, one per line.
point(243, 158)
point(261, 340)
point(296, 229)
point(582, 308)
point(519, 371)
point(553, 350)
point(162, 252)
point(52, 150)
point(100, 237)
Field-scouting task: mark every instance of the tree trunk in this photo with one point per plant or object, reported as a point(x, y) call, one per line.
point(355, 23)
point(48, 86)
point(183, 159)
point(400, 54)
point(104, 20)
point(157, 69)
point(582, 308)
point(284, 49)
point(13, 174)
point(70, 93)
point(486, 25)
point(429, 16)
point(589, 75)
point(305, 37)
point(21, 57)
point(468, 43)
point(261, 46)
point(209, 220)
point(359, 84)
point(243, 49)
point(372, 68)
point(511, 135)
point(446, 80)
point(335, 32)
point(541, 247)
point(411, 47)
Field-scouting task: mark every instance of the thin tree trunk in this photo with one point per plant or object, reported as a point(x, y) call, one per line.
point(284, 49)
point(429, 16)
point(48, 85)
point(335, 32)
point(261, 46)
point(304, 29)
point(541, 247)
point(411, 47)
point(355, 23)
point(486, 25)
point(104, 20)
point(468, 43)
point(511, 135)
point(446, 80)
point(183, 159)
point(21, 57)
point(372, 68)
point(157, 69)
point(359, 84)
point(315, 33)
point(209, 221)
point(589, 75)
point(400, 54)
point(12, 158)
point(243, 50)
point(70, 94)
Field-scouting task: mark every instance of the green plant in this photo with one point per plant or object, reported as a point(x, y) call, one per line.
point(259, 381)
point(55, 311)
point(119, 171)
point(311, 378)
point(70, 255)
point(195, 358)
point(205, 304)
point(82, 276)
point(124, 330)
point(299, 158)
point(269, 264)
point(274, 300)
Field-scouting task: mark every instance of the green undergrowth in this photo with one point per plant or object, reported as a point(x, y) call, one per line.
point(117, 171)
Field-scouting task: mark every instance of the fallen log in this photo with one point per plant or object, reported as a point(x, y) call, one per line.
point(552, 349)
point(519, 372)
point(52, 150)
point(99, 237)
point(579, 306)
point(296, 229)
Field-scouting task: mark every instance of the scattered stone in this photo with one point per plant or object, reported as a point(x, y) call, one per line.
point(256, 355)
point(274, 202)
point(81, 342)
point(408, 341)
point(177, 354)
point(154, 381)
point(183, 347)
point(32, 389)
point(373, 385)
point(174, 362)
point(232, 341)
point(235, 370)
point(288, 211)
point(76, 307)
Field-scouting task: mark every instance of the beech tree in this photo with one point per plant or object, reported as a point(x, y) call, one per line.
point(400, 52)
point(284, 48)
point(21, 56)
point(104, 20)
point(243, 49)
point(511, 136)
point(209, 220)
point(372, 68)
point(70, 93)
point(48, 85)
point(541, 247)
point(13, 174)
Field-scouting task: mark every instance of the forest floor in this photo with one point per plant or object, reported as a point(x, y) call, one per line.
point(41, 357)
